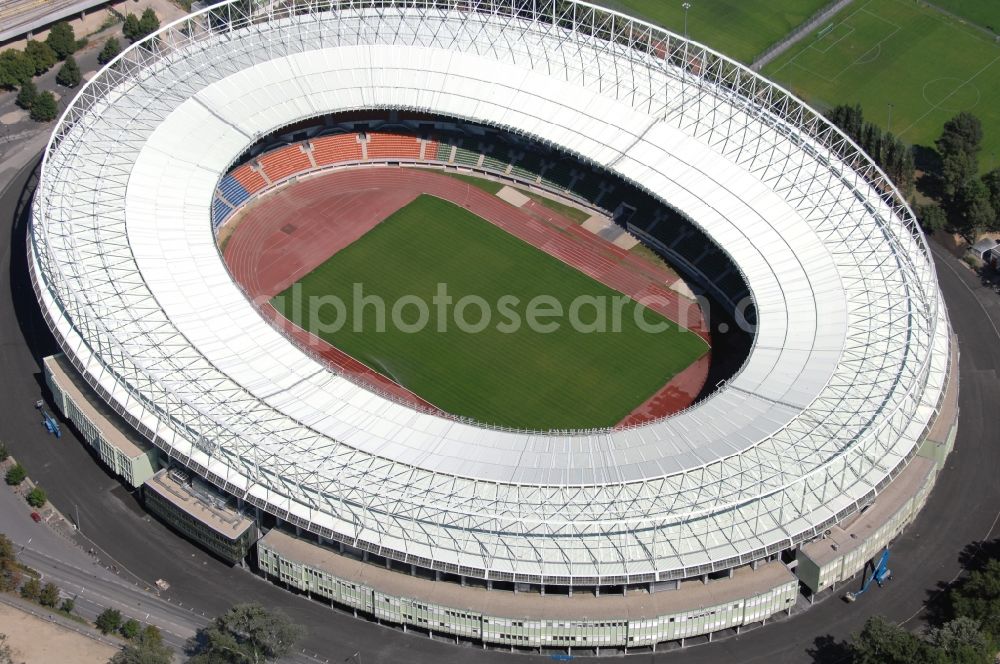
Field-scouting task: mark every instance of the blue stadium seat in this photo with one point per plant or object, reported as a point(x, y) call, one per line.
point(233, 190)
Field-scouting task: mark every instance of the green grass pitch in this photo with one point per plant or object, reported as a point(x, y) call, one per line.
point(928, 65)
point(985, 13)
point(741, 29)
point(559, 380)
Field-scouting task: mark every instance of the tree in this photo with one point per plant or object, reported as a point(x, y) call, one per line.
point(977, 597)
point(961, 641)
point(44, 109)
point(148, 23)
point(148, 648)
point(959, 147)
point(972, 203)
point(881, 642)
point(992, 182)
point(130, 629)
point(10, 572)
point(850, 119)
point(108, 621)
point(15, 475)
point(69, 74)
point(36, 497)
point(246, 633)
point(61, 40)
point(41, 56)
point(962, 133)
point(26, 95)
point(932, 218)
point(68, 605)
point(16, 68)
point(49, 595)
point(112, 47)
point(957, 169)
point(31, 589)
point(131, 28)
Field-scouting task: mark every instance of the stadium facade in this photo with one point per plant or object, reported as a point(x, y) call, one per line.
point(852, 361)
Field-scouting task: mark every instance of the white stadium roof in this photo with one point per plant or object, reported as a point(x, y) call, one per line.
point(845, 372)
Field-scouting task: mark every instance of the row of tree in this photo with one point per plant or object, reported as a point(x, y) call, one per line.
point(886, 149)
point(968, 629)
point(971, 203)
point(964, 201)
point(15, 475)
point(245, 633)
point(140, 27)
point(19, 67)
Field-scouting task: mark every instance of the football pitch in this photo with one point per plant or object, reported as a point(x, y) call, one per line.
point(739, 28)
point(898, 57)
point(501, 373)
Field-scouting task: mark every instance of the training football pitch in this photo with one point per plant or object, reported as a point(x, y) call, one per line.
point(505, 374)
point(898, 56)
point(739, 28)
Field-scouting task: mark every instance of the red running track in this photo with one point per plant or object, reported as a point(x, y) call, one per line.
point(285, 234)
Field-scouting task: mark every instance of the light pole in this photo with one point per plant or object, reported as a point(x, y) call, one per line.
point(889, 124)
point(686, 6)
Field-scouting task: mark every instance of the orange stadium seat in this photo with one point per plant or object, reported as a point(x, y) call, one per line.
point(284, 162)
point(430, 152)
point(388, 146)
point(336, 149)
point(251, 180)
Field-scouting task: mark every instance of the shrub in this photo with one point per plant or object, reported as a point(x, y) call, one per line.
point(16, 475)
point(16, 68)
point(69, 74)
point(130, 629)
point(41, 56)
point(61, 40)
point(44, 109)
point(49, 595)
point(112, 47)
point(932, 218)
point(37, 497)
point(148, 23)
point(27, 95)
point(109, 621)
point(31, 589)
point(131, 28)
point(4, 452)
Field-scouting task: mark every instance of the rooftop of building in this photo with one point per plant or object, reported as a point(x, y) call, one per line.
point(114, 429)
point(199, 502)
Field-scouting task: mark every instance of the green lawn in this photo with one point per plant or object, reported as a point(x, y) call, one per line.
point(741, 29)
point(985, 13)
point(927, 65)
point(523, 378)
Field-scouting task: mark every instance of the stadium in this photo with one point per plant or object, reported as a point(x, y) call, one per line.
point(596, 526)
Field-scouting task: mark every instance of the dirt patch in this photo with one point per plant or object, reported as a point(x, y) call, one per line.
point(36, 641)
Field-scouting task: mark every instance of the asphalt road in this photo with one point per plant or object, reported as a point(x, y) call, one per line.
point(962, 509)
